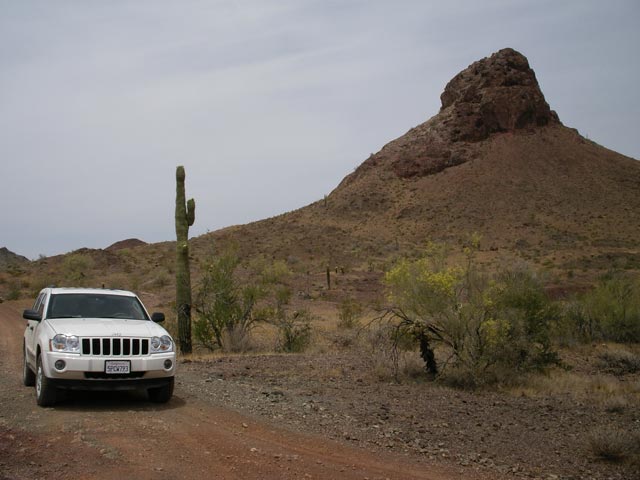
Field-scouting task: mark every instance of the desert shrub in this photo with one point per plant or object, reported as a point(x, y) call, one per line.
point(619, 361)
point(270, 272)
point(14, 291)
point(495, 328)
point(76, 267)
point(615, 404)
point(282, 295)
point(224, 308)
point(161, 280)
point(520, 298)
point(611, 311)
point(230, 302)
point(615, 444)
point(349, 312)
point(294, 330)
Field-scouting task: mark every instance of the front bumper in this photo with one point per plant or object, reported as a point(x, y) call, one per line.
point(84, 372)
point(111, 385)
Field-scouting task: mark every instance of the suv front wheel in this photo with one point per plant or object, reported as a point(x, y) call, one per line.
point(28, 377)
point(161, 394)
point(45, 392)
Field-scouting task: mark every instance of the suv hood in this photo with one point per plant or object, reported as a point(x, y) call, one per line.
point(106, 327)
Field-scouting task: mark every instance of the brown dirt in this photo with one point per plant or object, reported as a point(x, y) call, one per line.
point(113, 436)
point(320, 416)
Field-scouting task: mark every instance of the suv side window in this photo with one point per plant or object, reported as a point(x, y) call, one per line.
point(39, 305)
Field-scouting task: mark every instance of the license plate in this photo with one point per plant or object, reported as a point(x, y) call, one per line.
point(115, 367)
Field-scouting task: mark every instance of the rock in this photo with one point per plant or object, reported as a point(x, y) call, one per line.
point(494, 95)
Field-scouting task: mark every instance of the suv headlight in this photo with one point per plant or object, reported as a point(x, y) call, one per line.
point(65, 343)
point(161, 344)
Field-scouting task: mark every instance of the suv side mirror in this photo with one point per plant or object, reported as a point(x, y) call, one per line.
point(31, 315)
point(157, 317)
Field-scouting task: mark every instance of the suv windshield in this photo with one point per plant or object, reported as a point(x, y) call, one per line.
point(95, 305)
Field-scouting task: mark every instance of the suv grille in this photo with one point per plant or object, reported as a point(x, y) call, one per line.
point(115, 346)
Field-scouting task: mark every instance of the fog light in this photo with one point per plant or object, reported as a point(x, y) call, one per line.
point(60, 364)
point(168, 364)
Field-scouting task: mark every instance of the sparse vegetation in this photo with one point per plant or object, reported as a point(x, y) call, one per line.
point(231, 302)
point(77, 269)
point(615, 444)
point(225, 309)
point(611, 311)
point(349, 313)
point(294, 330)
point(493, 328)
point(619, 361)
point(14, 290)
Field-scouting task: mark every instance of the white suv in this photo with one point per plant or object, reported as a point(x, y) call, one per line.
point(96, 339)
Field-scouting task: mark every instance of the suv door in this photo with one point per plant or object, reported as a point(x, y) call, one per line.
point(30, 331)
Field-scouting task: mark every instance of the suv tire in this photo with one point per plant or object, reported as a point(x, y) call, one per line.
point(161, 394)
point(28, 377)
point(45, 391)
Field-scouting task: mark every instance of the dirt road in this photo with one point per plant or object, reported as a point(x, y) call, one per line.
point(113, 436)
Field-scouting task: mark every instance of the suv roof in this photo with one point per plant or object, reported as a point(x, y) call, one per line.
point(104, 291)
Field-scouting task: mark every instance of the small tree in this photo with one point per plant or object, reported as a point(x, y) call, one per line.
point(225, 309)
point(230, 301)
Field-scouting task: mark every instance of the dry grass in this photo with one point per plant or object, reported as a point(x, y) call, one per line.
point(558, 382)
point(619, 361)
point(615, 444)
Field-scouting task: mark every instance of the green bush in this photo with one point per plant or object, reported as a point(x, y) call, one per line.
point(494, 328)
point(76, 268)
point(613, 308)
point(228, 305)
point(294, 331)
point(349, 313)
point(224, 308)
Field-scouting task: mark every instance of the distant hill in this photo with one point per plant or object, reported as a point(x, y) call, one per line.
point(122, 244)
point(10, 259)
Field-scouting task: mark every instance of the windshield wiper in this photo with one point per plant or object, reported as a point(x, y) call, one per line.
point(65, 316)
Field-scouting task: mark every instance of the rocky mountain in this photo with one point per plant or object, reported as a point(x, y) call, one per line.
point(495, 160)
point(10, 259)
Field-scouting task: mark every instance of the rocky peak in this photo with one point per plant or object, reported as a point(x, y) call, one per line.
point(496, 94)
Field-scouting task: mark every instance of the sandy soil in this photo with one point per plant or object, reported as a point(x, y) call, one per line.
point(316, 416)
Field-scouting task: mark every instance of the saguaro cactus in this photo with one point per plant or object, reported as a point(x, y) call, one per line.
point(185, 216)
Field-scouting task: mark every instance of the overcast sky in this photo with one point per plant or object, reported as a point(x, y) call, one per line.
point(267, 103)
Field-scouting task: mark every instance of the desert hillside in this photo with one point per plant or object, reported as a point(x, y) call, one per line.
point(496, 160)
